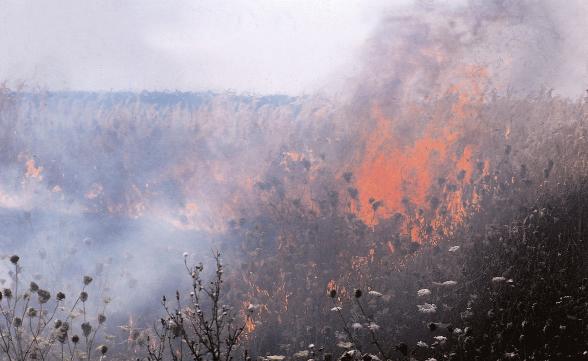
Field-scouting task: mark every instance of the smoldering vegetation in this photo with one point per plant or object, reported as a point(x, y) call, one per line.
point(431, 209)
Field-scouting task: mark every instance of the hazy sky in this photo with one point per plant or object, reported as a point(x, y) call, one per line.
point(263, 46)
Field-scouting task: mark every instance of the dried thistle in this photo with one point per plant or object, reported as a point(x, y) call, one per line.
point(7, 293)
point(86, 329)
point(44, 296)
point(17, 322)
point(34, 287)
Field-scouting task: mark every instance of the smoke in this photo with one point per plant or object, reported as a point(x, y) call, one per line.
point(120, 185)
point(524, 46)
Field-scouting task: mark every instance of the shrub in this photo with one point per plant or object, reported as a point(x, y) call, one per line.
point(201, 327)
point(35, 326)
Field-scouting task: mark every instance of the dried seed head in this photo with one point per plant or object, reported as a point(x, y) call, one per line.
point(357, 293)
point(44, 296)
point(60, 296)
point(14, 259)
point(31, 312)
point(75, 339)
point(62, 333)
point(86, 329)
point(7, 293)
point(87, 280)
point(101, 318)
point(17, 322)
point(34, 287)
point(103, 349)
point(83, 296)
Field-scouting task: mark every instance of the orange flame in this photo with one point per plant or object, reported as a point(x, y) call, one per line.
point(394, 171)
point(32, 171)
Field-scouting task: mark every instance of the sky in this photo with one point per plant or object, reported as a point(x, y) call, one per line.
point(263, 47)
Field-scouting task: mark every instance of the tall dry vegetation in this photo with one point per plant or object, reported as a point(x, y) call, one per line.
point(523, 222)
point(536, 151)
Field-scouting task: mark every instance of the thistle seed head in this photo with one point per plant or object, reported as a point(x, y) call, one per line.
point(86, 329)
point(44, 296)
point(7, 293)
point(17, 322)
point(87, 280)
point(14, 259)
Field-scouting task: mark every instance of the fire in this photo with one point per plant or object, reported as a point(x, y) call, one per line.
point(416, 162)
point(249, 325)
point(391, 174)
point(332, 285)
point(32, 170)
point(397, 171)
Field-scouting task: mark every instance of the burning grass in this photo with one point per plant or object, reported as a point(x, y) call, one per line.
point(429, 214)
point(514, 291)
point(483, 257)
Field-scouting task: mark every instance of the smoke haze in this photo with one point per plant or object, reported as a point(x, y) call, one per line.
point(121, 184)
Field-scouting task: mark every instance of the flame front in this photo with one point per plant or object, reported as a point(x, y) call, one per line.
point(396, 172)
